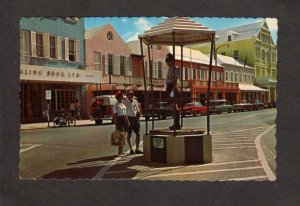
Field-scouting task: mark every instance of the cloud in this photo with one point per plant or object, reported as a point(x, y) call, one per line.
point(124, 20)
point(142, 24)
point(133, 37)
point(127, 34)
point(272, 24)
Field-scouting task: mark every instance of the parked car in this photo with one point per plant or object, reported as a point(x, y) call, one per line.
point(193, 108)
point(257, 104)
point(242, 106)
point(161, 110)
point(219, 106)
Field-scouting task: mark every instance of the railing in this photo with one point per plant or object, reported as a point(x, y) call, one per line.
point(219, 84)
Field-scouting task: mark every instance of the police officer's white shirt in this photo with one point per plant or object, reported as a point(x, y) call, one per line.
point(170, 75)
point(131, 107)
point(120, 109)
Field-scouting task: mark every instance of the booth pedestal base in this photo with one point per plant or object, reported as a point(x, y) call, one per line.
point(186, 146)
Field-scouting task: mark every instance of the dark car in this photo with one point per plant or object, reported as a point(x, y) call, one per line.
point(257, 104)
point(193, 108)
point(161, 110)
point(242, 106)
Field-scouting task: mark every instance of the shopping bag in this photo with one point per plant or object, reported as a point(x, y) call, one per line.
point(117, 138)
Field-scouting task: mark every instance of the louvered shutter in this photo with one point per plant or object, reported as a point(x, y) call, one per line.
point(126, 66)
point(33, 44)
point(183, 73)
point(46, 45)
point(117, 66)
point(106, 64)
point(58, 48)
point(67, 49)
point(77, 48)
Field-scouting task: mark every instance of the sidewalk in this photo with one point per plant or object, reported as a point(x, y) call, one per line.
point(44, 125)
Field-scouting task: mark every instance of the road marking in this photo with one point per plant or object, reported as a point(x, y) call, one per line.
point(179, 167)
point(234, 140)
point(233, 147)
point(199, 172)
point(262, 157)
point(29, 148)
point(104, 170)
point(241, 130)
point(235, 144)
point(236, 119)
point(246, 178)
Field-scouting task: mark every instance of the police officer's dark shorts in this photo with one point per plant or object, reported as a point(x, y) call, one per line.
point(134, 125)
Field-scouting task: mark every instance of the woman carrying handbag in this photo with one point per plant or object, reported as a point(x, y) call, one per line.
point(121, 122)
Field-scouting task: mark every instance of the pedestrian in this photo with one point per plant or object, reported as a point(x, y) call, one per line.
point(133, 113)
point(72, 109)
point(77, 108)
point(171, 87)
point(120, 117)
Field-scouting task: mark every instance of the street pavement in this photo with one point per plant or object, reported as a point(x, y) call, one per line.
point(243, 149)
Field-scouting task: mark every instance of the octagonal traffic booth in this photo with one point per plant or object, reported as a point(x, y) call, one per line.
point(185, 145)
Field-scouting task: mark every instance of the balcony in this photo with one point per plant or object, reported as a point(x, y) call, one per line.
point(219, 84)
point(266, 81)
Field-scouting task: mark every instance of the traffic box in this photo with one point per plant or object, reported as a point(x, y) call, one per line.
point(186, 146)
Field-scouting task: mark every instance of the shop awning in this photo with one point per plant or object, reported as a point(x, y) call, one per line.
point(251, 88)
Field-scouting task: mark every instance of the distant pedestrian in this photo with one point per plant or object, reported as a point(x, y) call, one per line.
point(133, 113)
point(120, 117)
point(77, 108)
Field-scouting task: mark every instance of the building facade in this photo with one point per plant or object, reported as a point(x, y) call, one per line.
point(52, 62)
point(107, 52)
point(244, 76)
point(254, 45)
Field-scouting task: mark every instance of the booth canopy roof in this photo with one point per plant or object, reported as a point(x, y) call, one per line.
point(187, 32)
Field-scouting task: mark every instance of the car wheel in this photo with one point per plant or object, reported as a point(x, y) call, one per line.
point(229, 110)
point(219, 111)
point(98, 121)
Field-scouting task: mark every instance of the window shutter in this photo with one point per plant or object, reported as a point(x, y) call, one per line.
point(189, 73)
point(77, 48)
point(106, 64)
point(67, 49)
point(58, 47)
point(103, 64)
point(33, 44)
point(46, 45)
point(126, 66)
point(117, 66)
point(183, 73)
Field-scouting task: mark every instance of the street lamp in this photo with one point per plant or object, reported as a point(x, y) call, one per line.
point(215, 55)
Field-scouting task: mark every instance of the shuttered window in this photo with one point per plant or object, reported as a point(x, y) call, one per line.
point(97, 61)
point(53, 47)
point(160, 70)
point(110, 63)
point(39, 45)
point(71, 50)
point(122, 65)
point(25, 47)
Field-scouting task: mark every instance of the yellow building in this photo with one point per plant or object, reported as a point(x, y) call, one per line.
point(252, 43)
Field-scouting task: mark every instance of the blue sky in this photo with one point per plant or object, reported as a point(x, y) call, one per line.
point(130, 28)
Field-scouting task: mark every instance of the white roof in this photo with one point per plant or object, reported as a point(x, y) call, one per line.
point(186, 32)
point(231, 61)
point(190, 55)
point(250, 87)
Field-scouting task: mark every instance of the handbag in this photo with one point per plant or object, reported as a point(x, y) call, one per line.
point(117, 138)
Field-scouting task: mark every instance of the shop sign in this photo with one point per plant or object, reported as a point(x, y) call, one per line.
point(48, 94)
point(158, 143)
point(43, 73)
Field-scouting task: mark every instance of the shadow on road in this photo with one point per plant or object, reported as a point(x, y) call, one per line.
point(73, 173)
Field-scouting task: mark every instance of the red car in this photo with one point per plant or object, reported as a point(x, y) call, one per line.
point(193, 108)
